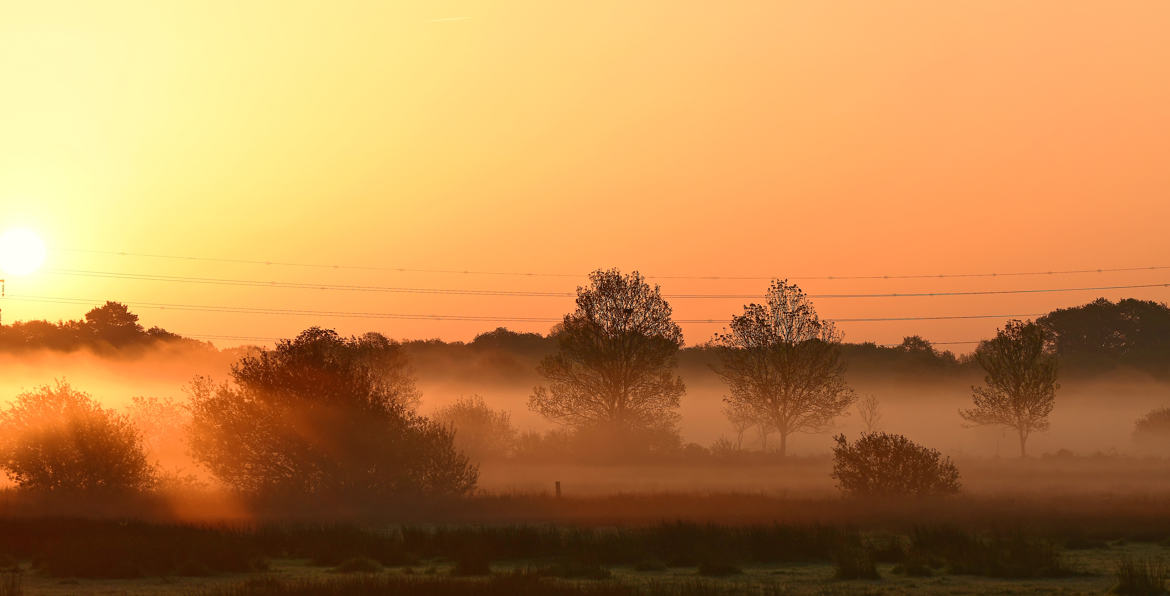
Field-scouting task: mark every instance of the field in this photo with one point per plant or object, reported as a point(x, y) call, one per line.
point(648, 543)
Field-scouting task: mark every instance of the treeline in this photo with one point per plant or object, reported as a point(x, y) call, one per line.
point(1096, 338)
point(1093, 339)
point(109, 328)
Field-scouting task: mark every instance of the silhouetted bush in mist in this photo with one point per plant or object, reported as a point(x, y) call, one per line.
point(325, 417)
point(1152, 431)
point(880, 465)
point(58, 439)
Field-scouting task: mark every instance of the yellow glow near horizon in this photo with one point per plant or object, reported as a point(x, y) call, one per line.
point(21, 252)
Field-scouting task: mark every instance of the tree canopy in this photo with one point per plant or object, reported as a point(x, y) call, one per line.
point(614, 369)
point(58, 439)
point(1020, 382)
point(1103, 335)
point(781, 361)
point(324, 415)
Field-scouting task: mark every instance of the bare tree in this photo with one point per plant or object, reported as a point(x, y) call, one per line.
point(870, 411)
point(1021, 385)
point(742, 419)
point(614, 370)
point(781, 360)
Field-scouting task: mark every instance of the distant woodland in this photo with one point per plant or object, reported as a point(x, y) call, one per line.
point(1096, 338)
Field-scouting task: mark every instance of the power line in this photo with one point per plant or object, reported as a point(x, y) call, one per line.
point(272, 263)
point(263, 338)
point(527, 293)
point(448, 317)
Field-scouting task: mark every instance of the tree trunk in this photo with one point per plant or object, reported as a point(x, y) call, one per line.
point(783, 443)
point(1023, 440)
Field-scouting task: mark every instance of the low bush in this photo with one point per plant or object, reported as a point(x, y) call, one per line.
point(854, 562)
point(882, 465)
point(1000, 554)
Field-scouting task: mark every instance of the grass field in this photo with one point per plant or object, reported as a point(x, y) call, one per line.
point(957, 546)
point(1095, 575)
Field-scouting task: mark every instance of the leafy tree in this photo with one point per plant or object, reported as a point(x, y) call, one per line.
point(783, 362)
point(58, 439)
point(113, 322)
point(480, 432)
point(614, 371)
point(321, 416)
point(1103, 335)
point(1152, 431)
point(1020, 389)
point(881, 464)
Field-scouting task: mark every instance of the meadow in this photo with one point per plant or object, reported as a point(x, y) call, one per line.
point(650, 543)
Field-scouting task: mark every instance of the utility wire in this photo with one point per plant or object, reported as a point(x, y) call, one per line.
point(526, 293)
point(583, 275)
point(261, 338)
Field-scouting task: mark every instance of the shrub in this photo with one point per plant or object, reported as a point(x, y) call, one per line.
point(881, 464)
point(854, 562)
point(1141, 577)
point(324, 417)
point(59, 439)
point(480, 432)
point(1005, 555)
point(1152, 431)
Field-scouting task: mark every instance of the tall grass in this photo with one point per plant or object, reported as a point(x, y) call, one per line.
point(11, 582)
point(1141, 577)
point(513, 584)
point(106, 549)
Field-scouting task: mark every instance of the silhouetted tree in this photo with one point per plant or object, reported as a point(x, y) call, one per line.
point(480, 432)
point(881, 464)
point(321, 416)
point(1152, 431)
point(1020, 389)
point(614, 371)
point(915, 344)
point(783, 362)
point(870, 411)
point(742, 419)
point(1103, 335)
point(114, 323)
point(58, 439)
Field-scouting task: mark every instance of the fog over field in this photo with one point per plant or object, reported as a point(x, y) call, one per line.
point(1093, 419)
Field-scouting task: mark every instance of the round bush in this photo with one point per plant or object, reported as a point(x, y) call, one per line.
point(881, 464)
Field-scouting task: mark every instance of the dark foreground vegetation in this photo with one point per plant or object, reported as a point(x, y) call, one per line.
point(519, 583)
point(120, 549)
point(907, 541)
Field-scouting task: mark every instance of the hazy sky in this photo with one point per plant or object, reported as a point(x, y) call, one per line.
point(678, 138)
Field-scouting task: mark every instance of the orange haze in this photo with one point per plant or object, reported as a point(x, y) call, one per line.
point(746, 138)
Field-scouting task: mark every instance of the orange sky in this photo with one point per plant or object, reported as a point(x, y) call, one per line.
point(732, 138)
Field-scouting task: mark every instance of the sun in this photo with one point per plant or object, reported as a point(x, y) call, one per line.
point(21, 252)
